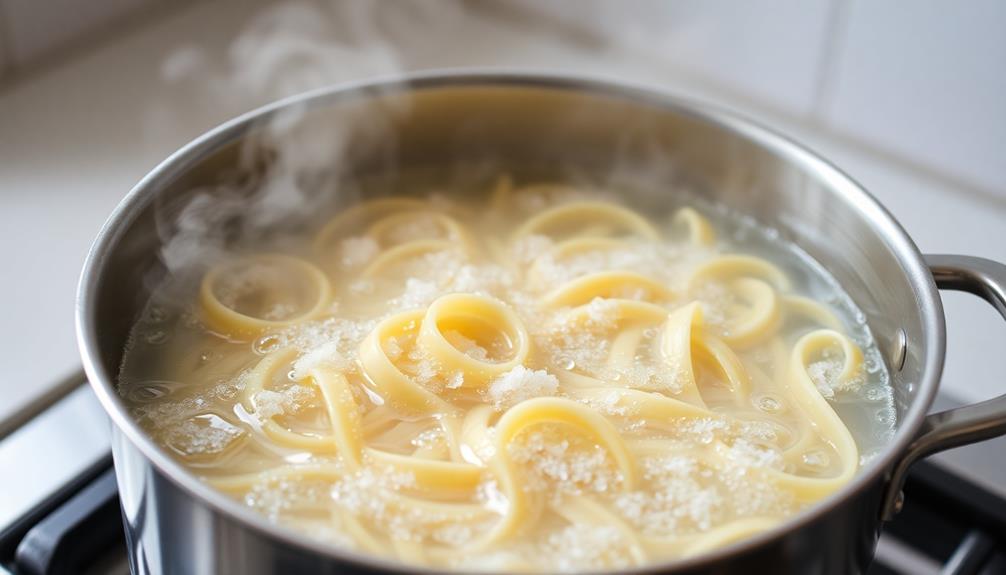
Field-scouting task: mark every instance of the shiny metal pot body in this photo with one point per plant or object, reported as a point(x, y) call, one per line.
point(175, 524)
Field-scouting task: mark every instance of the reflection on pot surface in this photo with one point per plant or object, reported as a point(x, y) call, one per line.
point(338, 341)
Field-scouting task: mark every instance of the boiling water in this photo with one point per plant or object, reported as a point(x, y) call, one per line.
point(260, 383)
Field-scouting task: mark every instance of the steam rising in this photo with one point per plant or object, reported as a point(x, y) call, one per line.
point(293, 166)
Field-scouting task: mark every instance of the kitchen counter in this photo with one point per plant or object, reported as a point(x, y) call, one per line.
point(75, 137)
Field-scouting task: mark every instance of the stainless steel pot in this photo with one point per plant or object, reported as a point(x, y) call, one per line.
point(176, 524)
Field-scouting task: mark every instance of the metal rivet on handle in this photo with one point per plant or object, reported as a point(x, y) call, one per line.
point(900, 350)
point(899, 503)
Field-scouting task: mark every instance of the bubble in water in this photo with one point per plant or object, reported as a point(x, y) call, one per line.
point(816, 459)
point(156, 337)
point(768, 403)
point(203, 435)
point(209, 356)
point(871, 363)
point(150, 391)
point(156, 314)
point(876, 394)
point(886, 416)
point(191, 320)
point(568, 364)
point(292, 375)
point(883, 434)
point(266, 344)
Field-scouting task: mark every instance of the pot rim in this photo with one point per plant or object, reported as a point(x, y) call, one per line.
point(838, 182)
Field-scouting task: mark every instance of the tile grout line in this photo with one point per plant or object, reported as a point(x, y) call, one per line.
point(768, 113)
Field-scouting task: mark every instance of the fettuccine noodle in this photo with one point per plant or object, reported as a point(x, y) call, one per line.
point(551, 381)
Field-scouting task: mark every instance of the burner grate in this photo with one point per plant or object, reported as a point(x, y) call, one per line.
point(948, 526)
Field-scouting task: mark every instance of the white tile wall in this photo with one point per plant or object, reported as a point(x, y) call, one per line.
point(770, 50)
point(923, 80)
point(927, 80)
point(37, 27)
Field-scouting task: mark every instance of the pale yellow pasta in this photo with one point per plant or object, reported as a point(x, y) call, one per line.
point(545, 381)
point(699, 230)
point(222, 315)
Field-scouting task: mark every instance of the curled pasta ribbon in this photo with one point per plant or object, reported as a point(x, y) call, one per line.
point(537, 273)
point(621, 311)
point(343, 413)
point(580, 510)
point(624, 347)
point(699, 231)
point(477, 447)
point(719, 354)
point(239, 483)
point(400, 253)
point(441, 478)
point(589, 218)
point(734, 266)
point(800, 388)
point(754, 282)
point(402, 394)
point(699, 543)
point(480, 319)
point(222, 318)
point(444, 512)
point(345, 438)
point(654, 408)
point(812, 310)
point(684, 340)
point(761, 319)
point(524, 505)
point(611, 285)
point(255, 382)
point(584, 245)
point(445, 479)
point(358, 216)
point(383, 230)
point(676, 347)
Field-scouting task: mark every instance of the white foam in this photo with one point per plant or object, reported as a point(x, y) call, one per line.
point(270, 403)
point(203, 435)
point(358, 250)
point(558, 464)
point(328, 355)
point(520, 384)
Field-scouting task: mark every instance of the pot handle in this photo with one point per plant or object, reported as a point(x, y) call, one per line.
point(970, 423)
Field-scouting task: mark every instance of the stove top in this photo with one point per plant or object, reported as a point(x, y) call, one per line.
point(60, 513)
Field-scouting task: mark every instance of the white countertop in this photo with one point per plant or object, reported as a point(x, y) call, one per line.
point(73, 142)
